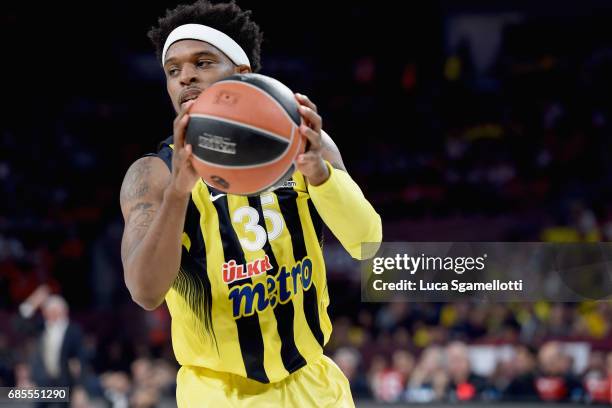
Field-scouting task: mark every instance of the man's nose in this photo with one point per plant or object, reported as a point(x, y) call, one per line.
point(188, 74)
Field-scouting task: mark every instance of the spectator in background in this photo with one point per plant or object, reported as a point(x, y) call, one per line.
point(500, 378)
point(428, 380)
point(58, 359)
point(164, 377)
point(382, 389)
point(149, 380)
point(349, 361)
point(142, 373)
point(389, 383)
point(555, 381)
point(403, 364)
point(116, 387)
point(598, 378)
point(596, 365)
point(23, 376)
point(463, 384)
point(144, 398)
point(522, 386)
point(79, 398)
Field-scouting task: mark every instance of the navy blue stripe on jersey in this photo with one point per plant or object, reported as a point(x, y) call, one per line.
point(311, 311)
point(164, 152)
point(290, 355)
point(192, 281)
point(193, 231)
point(317, 222)
point(166, 142)
point(289, 209)
point(250, 337)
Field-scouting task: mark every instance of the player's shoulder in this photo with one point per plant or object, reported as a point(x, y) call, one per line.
point(164, 151)
point(148, 174)
point(145, 168)
point(153, 159)
point(146, 165)
point(166, 143)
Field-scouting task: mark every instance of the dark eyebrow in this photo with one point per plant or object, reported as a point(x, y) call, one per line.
point(195, 54)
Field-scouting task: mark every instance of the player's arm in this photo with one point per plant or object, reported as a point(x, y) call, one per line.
point(153, 202)
point(330, 152)
point(338, 199)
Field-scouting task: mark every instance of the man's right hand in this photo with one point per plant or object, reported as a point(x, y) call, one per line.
point(184, 177)
point(154, 202)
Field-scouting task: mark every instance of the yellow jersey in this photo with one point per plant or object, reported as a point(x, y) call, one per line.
point(251, 295)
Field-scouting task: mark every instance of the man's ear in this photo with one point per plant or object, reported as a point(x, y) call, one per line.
point(242, 69)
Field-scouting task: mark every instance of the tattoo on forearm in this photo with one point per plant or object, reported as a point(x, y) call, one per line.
point(136, 184)
point(141, 216)
point(139, 220)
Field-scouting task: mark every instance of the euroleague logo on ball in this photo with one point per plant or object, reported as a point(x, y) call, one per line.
point(225, 97)
point(217, 143)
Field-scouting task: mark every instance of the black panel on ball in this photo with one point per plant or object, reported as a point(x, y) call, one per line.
point(274, 88)
point(231, 144)
point(281, 182)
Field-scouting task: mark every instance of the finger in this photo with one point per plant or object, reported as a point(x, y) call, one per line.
point(185, 107)
point(180, 125)
point(312, 117)
point(184, 111)
point(313, 137)
point(307, 157)
point(183, 155)
point(180, 131)
point(189, 158)
point(304, 100)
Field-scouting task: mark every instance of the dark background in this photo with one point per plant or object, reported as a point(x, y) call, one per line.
point(460, 120)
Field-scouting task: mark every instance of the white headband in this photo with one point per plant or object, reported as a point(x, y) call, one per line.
point(207, 34)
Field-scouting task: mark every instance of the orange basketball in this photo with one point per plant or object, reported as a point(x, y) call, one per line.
point(244, 131)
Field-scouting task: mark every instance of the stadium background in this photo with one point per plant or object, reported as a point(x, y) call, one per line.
point(462, 121)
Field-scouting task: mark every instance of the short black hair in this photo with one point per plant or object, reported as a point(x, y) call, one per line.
point(228, 18)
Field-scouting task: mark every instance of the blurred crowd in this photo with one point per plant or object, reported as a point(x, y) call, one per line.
point(428, 137)
point(396, 352)
point(41, 346)
point(424, 352)
point(445, 374)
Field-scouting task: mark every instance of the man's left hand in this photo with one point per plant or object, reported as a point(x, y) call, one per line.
point(311, 163)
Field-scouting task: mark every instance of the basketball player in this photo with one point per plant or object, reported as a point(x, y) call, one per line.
point(243, 277)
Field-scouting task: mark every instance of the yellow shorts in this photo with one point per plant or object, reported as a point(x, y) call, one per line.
point(320, 384)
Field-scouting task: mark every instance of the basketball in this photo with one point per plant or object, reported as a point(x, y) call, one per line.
point(244, 131)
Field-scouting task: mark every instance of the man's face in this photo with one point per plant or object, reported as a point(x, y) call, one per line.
point(54, 312)
point(458, 361)
point(192, 66)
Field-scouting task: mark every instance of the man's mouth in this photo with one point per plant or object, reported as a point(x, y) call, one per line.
point(189, 95)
